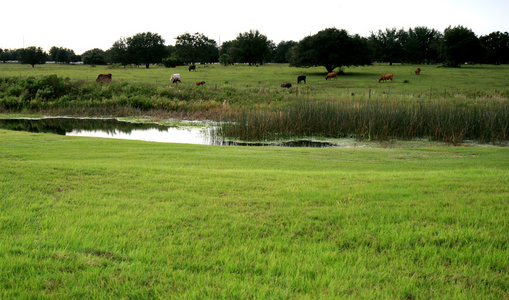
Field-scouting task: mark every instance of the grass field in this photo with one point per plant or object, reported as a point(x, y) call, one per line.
point(98, 218)
point(469, 81)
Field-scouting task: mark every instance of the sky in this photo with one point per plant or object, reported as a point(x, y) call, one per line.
point(84, 25)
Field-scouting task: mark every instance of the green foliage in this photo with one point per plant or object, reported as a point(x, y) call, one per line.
point(32, 56)
point(142, 48)
point(94, 57)
point(63, 55)
point(461, 45)
point(170, 62)
point(252, 47)
point(332, 48)
point(196, 48)
point(496, 45)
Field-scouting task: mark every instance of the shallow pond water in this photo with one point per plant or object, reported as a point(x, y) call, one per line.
point(117, 129)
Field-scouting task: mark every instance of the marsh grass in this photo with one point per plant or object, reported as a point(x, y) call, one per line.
point(451, 121)
point(97, 218)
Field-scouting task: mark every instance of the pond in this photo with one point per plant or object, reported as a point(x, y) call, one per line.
point(117, 129)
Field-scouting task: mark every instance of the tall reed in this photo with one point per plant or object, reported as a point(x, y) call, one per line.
point(442, 120)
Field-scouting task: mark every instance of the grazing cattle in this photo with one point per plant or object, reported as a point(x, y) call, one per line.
point(192, 67)
point(332, 75)
point(104, 78)
point(175, 78)
point(385, 77)
point(301, 78)
point(418, 71)
point(286, 85)
point(200, 82)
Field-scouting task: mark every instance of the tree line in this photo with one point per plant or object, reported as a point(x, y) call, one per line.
point(331, 48)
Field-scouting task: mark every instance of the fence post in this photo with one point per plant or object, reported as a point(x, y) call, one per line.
point(430, 91)
point(369, 98)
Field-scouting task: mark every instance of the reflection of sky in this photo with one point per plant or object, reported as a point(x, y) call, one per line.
point(172, 135)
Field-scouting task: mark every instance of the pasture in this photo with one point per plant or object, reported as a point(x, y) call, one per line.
point(467, 82)
point(98, 218)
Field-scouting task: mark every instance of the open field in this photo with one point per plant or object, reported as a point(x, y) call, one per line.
point(465, 82)
point(98, 218)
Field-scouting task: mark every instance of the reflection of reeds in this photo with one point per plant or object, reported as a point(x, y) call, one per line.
point(449, 121)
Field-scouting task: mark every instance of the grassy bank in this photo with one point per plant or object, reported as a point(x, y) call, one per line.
point(97, 218)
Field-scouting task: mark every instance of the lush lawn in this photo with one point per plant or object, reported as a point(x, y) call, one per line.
point(98, 218)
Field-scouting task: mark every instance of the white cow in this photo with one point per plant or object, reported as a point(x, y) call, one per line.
point(175, 78)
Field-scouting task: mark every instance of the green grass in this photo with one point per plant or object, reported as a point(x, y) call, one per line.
point(99, 218)
point(469, 81)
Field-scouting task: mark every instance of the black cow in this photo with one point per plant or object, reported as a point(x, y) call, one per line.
point(301, 78)
point(192, 67)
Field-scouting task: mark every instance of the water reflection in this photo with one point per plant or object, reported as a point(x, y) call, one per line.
point(113, 128)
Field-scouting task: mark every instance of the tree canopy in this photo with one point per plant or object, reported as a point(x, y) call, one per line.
point(63, 55)
point(32, 56)
point(196, 48)
point(146, 48)
point(460, 45)
point(251, 47)
point(332, 48)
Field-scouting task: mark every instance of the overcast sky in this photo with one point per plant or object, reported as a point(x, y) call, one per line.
point(84, 25)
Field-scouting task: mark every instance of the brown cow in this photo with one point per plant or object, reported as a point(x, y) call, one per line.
point(286, 85)
point(385, 77)
point(104, 78)
point(200, 82)
point(192, 67)
point(418, 71)
point(332, 75)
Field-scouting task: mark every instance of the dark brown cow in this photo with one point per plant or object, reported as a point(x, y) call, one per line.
point(104, 78)
point(301, 78)
point(418, 71)
point(286, 85)
point(332, 75)
point(192, 67)
point(200, 82)
point(385, 77)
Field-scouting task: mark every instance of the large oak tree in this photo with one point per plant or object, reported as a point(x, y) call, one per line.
point(332, 48)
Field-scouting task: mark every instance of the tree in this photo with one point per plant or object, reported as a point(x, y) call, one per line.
point(496, 45)
point(32, 56)
point(196, 47)
point(225, 60)
point(388, 45)
point(283, 52)
point(332, 48)
point(146, 48)
point(118, 52)
point(94, 57)
point(63, 55)
point(252, 47)
point(460, 45)
point(422, 45)
point(5, 55)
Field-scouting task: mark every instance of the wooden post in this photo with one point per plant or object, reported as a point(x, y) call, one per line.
point(369, 94)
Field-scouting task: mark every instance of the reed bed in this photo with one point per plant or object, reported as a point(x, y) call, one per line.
point(450, 121)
